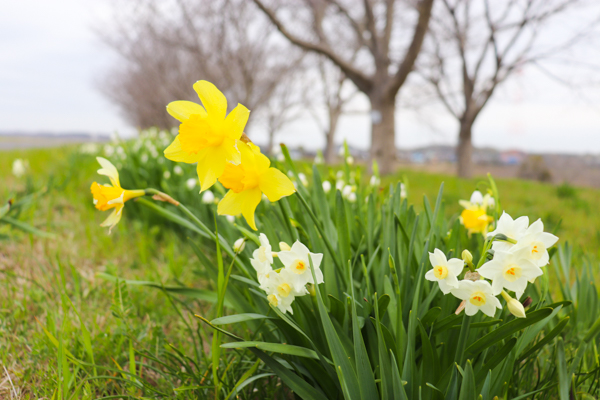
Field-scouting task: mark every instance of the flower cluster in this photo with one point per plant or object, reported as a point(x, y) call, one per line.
point(519, 251)
point(284, 284)
point(215, 141)
point(474, 216)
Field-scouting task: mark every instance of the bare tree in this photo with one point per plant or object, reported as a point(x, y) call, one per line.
point(335, 94)
point(166, 46)
point(333, 28)
point(476, 45)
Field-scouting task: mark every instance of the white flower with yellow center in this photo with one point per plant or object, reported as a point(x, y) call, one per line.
point(281, 291)
point(444, 271)
point(478, 296)
point(535, 243)
point(297, 263)
point(511, 270)
point(512, 229)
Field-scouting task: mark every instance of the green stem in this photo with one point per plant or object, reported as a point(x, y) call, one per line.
point(321, 231)
point(200, 224)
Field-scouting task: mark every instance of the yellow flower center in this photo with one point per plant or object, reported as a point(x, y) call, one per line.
point(477, 299)
point(284, 290)
point(440, 272)
point(103, 194)
point(238, 178)
point(299, 266)
point(512, 272)
point(196, 134)
point(537, 249)
point(273, 300)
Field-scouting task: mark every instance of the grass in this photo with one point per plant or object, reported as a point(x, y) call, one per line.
point(40, 278)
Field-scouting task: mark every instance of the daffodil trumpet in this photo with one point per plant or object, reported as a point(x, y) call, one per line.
point(248, 181)
point(113, 196)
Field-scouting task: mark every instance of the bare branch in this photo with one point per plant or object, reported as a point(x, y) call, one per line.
point(363, 82)
point(410, 57)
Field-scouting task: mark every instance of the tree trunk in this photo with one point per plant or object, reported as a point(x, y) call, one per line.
point(464, 152)
point(383, 145)
point(330, 136)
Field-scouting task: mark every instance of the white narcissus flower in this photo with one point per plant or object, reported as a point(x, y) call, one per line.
point(178, 170)
point(296, 261)
point(444, 271)
point(281, 290)
point(374, 181)
point(352, 197)
point(191, 183)
point(262, 258)
point(326, 186)
point(347, 190)
point(478, 296)
point(19, 167)
point(239, 245)
point(511, 270)
point(208, 197)
point(403, 193)
point(535, 243)
point(512, 229)
point(303, 179)
point(477, 197)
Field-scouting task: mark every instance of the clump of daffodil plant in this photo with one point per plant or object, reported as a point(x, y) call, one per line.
point(338, 294)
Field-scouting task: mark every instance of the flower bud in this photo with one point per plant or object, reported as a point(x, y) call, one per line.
point(239, 245)
point(514, 306)
point(467, 257)
point(283, 246)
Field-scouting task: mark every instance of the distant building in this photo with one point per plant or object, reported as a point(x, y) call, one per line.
point(512, 157)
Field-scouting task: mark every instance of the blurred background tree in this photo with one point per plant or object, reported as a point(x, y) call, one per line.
point(476, 45)
point(164, 47)
point(335, 28)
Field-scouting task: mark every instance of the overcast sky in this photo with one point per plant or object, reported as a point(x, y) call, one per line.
point(51, 62)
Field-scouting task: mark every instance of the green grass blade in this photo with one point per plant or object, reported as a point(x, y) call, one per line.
point(274, 348)
point(564, 380)
point(506, 330)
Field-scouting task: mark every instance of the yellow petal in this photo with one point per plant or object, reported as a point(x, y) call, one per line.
point(175, 153)
point(212, 99)
point(210, 166)
point(182, 110)
point(236, 122)
point(275, 184)
point(244, 202)
point(109, 170)
point(114, 218)
point(261, 161)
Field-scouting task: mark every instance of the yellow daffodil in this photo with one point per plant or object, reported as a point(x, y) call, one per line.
point(111, 196)
point(248, 181)
point(207, 135)
point(474, 216)
point(476, 220)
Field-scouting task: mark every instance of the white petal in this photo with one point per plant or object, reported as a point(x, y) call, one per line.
point(456, 265)
point(301, 250)
point(430, 276)
point(316, 258)
point(547, 239)
point(444, 287)
point(470, 308)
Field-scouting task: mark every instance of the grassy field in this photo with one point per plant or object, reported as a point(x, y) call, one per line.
point(51, 294)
